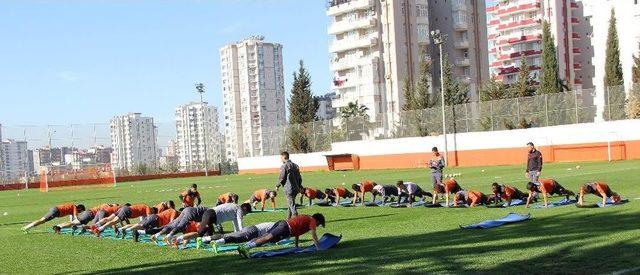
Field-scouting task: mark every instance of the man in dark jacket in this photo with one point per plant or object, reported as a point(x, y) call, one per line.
point(534, 163)
point(292, 181)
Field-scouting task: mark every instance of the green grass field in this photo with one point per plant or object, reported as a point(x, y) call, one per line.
point(376, 239)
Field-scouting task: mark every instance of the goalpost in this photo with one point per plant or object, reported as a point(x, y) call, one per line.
point(74, 175)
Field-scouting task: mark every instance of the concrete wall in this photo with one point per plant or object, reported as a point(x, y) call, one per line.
point(578, 142)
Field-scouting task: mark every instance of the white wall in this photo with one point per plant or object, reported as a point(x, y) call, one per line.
point(623, 130)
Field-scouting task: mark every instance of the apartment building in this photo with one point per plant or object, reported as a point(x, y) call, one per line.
point(15, 159)
point(253, 96)
point(515, 32)
point(377, 45)
point(198, 136)
point(133, 140)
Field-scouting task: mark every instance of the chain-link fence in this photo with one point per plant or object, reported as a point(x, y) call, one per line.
point(27, 149)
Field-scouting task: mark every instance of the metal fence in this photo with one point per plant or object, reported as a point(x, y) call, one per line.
point(78, 144)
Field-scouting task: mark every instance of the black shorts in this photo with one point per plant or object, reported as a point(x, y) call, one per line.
point(253, 199)
point(53, 213)
point(280, 231)
point(209, 220)
point(123, 213)
point(320, 196)
point(150, 222)
point(85, 217)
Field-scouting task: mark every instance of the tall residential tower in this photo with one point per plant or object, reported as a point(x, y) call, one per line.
point(253, 96)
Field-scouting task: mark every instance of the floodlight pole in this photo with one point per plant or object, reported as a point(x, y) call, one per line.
point(438, 39)
point(200, 90)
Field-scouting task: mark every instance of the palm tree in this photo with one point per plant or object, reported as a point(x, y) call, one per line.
point(354, 110)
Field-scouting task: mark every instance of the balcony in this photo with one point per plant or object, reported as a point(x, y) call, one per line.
point(577, 66)
point(348, 44)
point(460, 23)
point(577, 51)
point(510, 9)
point(575, 35)
point(575, 21)
point(520, 39)
point(463, 62)
point(346, 25)
point(344, 6)
point(574, 5)
point(348, 63)
point(513, 55)
point(461, 44)
point(347, 81)
point(458, 5)
point(520, 23)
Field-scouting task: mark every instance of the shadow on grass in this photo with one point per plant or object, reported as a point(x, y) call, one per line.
point(554, 244)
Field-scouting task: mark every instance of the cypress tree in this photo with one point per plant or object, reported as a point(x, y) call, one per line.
point(409, 101)
point(633, 105)
point(302, 110)
point(550, 82)
point(522, 87)
point(613, 78)
point(302, 106)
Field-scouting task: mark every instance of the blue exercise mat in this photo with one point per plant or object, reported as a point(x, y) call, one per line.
point(403, 205)
point(511, 218)
point(515, 202)
point(611, 203)
point(326, 241)
point(562, 202)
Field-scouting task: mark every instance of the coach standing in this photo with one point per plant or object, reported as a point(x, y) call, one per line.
point(534, 163)
point(291, 180)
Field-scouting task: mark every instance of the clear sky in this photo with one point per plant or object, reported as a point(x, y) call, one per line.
point(84, 61)
point(81, 61)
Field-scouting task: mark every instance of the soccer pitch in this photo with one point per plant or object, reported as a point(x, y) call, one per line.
point(375, 239)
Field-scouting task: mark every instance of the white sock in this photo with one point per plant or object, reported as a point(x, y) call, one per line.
point(169, 236)
point(206, 238)
point(101, 228)
point(157, 235)
point(141, 232)
point(180, 239)
point(220, 241)
point(29, 226)
point(251, 245)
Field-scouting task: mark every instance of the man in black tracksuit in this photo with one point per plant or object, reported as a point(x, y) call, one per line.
point(291, 179)
point(534, 163)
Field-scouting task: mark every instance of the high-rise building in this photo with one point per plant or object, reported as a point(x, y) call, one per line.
point(253, 96)
point(198, 136)
point(464, 22)
point(133, 140)
point(378, 45)
point(16, 162)
point(1, 156)
point(590, 33)
point(172, 148)
point(515, 32)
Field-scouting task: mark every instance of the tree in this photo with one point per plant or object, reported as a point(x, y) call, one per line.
point(409, 101)
point(633, 104)
point(422, 97)
point(493, 90)
point(550, 82)
point(523, 86)
point(355, 120)
point(302, 106)
point(454, 93)
point(302, 110)
point(613, 79)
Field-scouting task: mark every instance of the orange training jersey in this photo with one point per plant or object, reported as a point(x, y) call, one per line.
point(225, 198)
point(139, 210)
point(508, 191)
point(547, 185)
point(67, 209)
point(162, 206)
point(165, 217)
point(474, 196)
point(112, 209)
point(366, 186)
point(310, 193)
point(451, 185)
point(189, 198)
point(301, 224)
point(260, 194)
point(341, 191)
point(191, 227)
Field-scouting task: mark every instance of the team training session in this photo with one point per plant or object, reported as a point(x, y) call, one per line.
point(320, 136)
